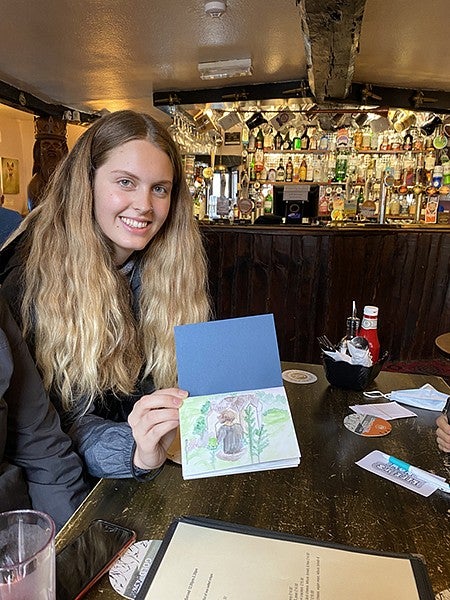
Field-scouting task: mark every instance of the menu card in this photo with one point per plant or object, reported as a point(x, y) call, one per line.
point(237, 417)
point(214, 559)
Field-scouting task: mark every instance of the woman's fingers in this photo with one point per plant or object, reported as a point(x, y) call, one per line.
point(154, 420)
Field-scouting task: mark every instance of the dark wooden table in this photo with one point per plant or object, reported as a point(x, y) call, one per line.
point(327, 497)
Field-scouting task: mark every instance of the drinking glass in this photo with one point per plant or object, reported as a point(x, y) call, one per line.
point(27, 556)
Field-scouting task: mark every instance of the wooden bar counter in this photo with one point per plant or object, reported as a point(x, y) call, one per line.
point(308, 277)
point(327, 497)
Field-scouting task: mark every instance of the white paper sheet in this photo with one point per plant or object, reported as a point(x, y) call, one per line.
point(384, 410)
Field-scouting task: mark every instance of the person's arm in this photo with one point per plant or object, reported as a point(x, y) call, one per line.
point(443, 433)
point(106, 447)
point(134, 449)
point(35, 440)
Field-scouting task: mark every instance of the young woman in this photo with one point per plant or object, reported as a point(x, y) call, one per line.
point(98, 274)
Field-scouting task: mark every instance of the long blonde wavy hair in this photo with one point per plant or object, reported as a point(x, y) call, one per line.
point(77, 306)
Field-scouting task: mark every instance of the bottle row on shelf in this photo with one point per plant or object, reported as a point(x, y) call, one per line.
point(425, 169)
point(365, 139)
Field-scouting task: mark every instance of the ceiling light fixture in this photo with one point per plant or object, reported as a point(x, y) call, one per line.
point(215, 9)
point(226, 68)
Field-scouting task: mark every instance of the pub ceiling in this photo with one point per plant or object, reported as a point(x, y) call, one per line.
point(91, 56)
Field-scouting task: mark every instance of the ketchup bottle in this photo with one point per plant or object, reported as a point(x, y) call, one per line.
point(369, 331)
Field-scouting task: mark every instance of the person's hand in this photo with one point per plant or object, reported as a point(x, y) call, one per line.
point(443, 433)
point(154, 420)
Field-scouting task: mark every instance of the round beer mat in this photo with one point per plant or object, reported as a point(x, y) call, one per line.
point(296, 376)
point(367, 425)
point(128, 572)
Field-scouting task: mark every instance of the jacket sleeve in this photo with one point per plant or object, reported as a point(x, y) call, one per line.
point(106, 447)
point(35, 440)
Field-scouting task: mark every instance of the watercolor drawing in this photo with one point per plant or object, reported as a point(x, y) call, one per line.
point(225, 431)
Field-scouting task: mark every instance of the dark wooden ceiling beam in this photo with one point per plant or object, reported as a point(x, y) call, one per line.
point(26, 102)
point(331, 31)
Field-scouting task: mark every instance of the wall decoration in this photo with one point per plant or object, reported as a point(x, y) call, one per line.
point(232, 138)
point(10, 175)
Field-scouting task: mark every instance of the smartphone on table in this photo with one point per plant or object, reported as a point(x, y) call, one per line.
point(89, 556)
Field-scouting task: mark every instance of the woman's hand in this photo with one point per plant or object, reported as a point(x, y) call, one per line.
point(443, 433)
point(154, 421)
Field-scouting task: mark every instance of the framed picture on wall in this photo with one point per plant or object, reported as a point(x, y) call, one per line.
point(10, 175)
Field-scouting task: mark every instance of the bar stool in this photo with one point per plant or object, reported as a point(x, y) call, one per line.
point(443, 343)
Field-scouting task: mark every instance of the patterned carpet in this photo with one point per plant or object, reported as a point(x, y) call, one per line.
point(434, 366)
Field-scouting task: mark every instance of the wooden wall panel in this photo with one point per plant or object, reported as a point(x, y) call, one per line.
point(308, 278)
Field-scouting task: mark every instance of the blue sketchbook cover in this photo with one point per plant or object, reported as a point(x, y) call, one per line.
point(228, 356)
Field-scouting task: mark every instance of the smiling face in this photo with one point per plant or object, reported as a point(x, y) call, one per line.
point(132, 191)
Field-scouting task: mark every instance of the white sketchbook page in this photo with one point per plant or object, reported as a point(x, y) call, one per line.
point(211, 564)
point(224, 433)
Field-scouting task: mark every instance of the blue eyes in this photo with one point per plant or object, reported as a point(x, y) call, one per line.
point(160, 190)
point(126, 183)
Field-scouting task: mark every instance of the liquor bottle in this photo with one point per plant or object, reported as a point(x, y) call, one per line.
point(317, 169)
point(289, 170)
point(268, 203)
point(366, 138)
point(408, 142)
point(271, 174)
point(323, 142)
point(297, 142)
point(244, 136)
point(385, 145)
point(359, 200)
point(398, 170)
point(417, 140)
point(341, 167)
point(369, 330)
point(396, 142)
point(430, 161)
point(278, 141)
point(287, 144)
point(251, 141)
point(446, 173)
point(268, 140)
point(309, 169)
point(259, 139)
point(296, 171)
point(357, 139)
point(394, 205)
point(252, 171)
point(303, 171)
point(421, 176)
point(331, 170)
point(408, 171)
point(305, 140)
point(313, 140)
point(280, 171)
point(259, 160)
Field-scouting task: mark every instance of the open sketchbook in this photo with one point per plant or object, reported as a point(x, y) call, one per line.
point(207, 557)
point(237, 416)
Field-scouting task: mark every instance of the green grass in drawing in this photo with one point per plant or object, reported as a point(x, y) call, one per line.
point(228, 430)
